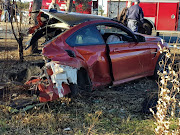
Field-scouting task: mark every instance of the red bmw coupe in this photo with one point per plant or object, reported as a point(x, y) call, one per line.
point(85, 51)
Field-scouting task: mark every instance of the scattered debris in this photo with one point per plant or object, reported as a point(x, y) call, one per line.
point(67, 129)
point(54, 81)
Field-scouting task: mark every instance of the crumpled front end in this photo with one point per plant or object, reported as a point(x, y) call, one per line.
point(54, 82)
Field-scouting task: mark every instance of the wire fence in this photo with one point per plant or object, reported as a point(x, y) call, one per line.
point(9, 55)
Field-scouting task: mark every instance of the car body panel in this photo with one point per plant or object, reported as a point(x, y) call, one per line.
point(72, 18)
point(105, 63)
point(97, 64)
point(129, 59)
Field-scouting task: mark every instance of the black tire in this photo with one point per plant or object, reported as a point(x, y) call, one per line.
point(147, 28)
point(74, 90)
point(160, 66)
point(83, 83)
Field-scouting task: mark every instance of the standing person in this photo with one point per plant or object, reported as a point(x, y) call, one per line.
point(135, 16)
point(14, 11)
point(7, 5)
point(54, 5)
point(122, 17)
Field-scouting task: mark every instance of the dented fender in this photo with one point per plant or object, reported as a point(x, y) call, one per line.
point(62, 56)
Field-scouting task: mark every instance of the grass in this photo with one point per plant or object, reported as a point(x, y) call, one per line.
point(112, 111)
point(45, 120)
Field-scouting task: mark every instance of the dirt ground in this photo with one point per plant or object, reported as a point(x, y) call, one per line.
point(131, 99)
point(68, 116)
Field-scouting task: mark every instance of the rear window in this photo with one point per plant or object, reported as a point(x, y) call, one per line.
point(85, 36)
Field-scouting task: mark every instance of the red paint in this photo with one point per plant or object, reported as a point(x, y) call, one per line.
point(34, 28)
point(79, 7)
point(97, 63)
point(47, 92)
point(129, 60)
point(49, 71)
point(166, 11)
point(162, 12)
point(126, 61)
point(66, 89)
point(149, 9)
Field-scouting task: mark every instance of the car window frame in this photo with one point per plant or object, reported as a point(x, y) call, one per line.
point(91, 25)
point(120, 27)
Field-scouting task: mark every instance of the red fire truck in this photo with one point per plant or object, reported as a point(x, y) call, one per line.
point(78, 7)
point(160, 15)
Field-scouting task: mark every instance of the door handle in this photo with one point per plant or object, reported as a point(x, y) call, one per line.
point(116, 50)
point(173, 16)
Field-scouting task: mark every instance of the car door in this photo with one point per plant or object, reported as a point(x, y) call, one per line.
point(89, 44)
point(128, 58)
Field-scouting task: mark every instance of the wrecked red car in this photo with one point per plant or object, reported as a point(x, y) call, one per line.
point(83, 52)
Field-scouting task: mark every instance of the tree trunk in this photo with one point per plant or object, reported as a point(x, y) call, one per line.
point(69, 5)
point(19, 39)
point(20, 47)
point(35, 11)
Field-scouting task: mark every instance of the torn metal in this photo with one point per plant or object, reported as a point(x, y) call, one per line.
point(54, 82)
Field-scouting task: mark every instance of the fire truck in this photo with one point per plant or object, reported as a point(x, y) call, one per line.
point(160, 15)
point(77, 6)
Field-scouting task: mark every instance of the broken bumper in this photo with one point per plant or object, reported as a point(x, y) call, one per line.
point(54, 82)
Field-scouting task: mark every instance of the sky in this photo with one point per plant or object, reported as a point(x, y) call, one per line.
point(26, 0)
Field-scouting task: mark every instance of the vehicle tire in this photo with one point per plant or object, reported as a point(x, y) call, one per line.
point(161, 67)
point(147, 28)
point(74, 89)
point(83, 83)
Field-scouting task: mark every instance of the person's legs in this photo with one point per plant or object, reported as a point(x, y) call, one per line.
point(5, 15)
point(133, 25)
point(9, 16)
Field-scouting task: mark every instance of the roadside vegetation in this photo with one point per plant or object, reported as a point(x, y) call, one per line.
point(120, 110)
point(168, 105)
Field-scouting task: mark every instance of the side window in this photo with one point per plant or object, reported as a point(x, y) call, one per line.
point(85, 36)
point(113, 34)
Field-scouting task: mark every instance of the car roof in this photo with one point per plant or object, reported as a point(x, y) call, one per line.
point(72, 18)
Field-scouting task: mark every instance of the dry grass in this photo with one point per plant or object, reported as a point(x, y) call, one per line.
point(168, 105)
point(107, 111)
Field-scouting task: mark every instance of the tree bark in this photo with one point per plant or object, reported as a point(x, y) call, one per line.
point(35, 11)
point(19, 39)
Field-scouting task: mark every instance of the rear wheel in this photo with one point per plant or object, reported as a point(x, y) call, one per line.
point(147, 28)
point(83, 83)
